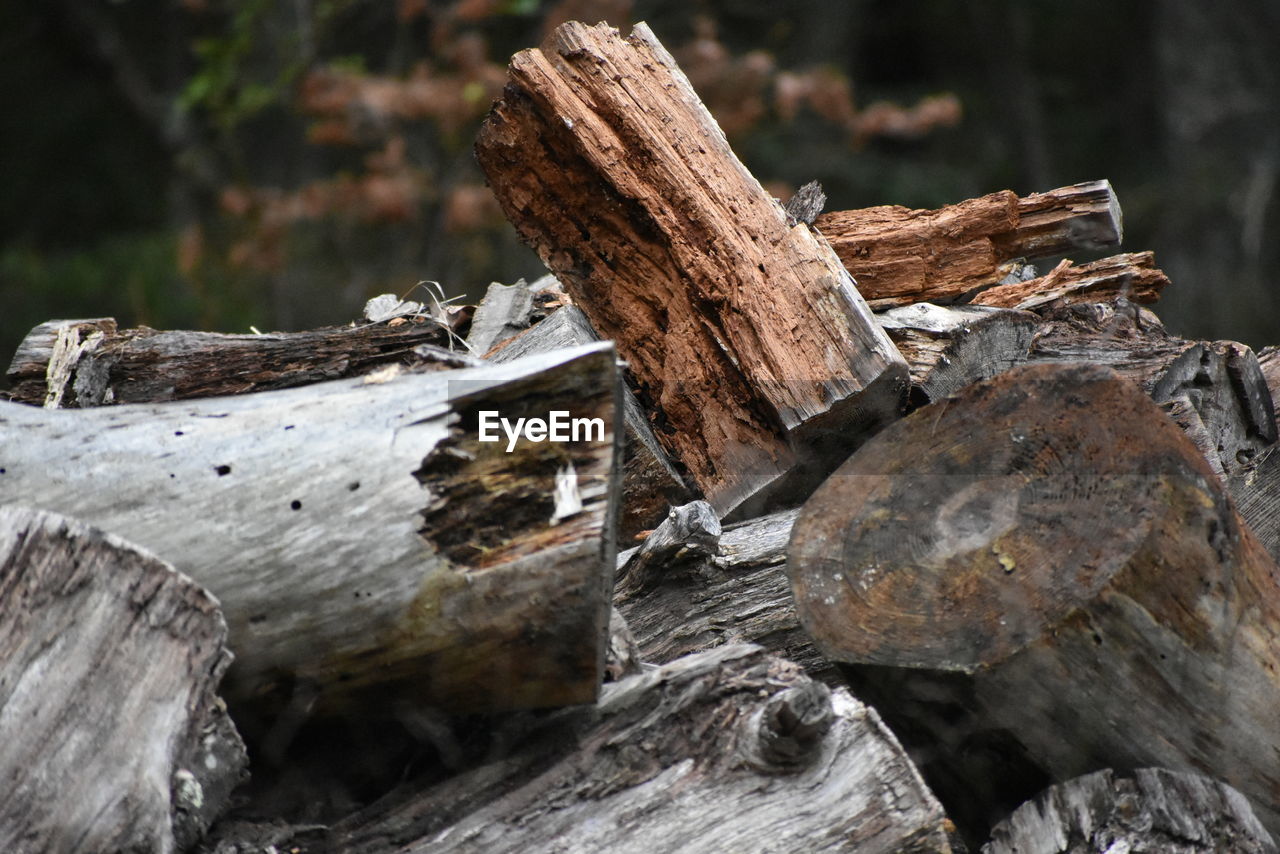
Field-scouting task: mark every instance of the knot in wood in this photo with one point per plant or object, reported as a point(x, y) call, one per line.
point(787, 732)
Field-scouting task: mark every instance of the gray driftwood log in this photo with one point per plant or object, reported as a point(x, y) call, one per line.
point(1152, 810)
point(1060, 554)
point(744, 332)
point(730, 750)
point(82, 363)
point(358, 534)
point(112, 737)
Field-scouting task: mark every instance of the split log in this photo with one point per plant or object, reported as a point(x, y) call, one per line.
point(950, 347)
point(1154, 810)
point(745, 334)
point(707, 589)
point(359, 535)
point(650, 483)
point(729, 750)
point(1051, 539)
point(1132, 276)
point(112, 737)
point(81, 363)
point(900, 256)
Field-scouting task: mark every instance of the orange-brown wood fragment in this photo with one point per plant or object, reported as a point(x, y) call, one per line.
point(900, 256)
point(745, 335)
point(1132, 275)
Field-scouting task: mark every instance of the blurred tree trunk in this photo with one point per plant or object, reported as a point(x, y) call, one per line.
point(1220, 91)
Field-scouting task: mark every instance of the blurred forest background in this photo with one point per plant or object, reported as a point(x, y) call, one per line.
point(217, 164)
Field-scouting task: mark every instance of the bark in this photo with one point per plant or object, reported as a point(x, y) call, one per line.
point(111, 735)
point(729, 750)
point(360, 538)
point(1054, 540)
point(650, 483)
point(1153, 810)
point(708, 590)
point(1132, 276)
point(745, 334)
point(82, 363)
point(949, 347)
point(900, 256)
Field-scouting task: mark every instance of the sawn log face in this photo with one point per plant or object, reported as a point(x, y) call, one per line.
point(1052, 534)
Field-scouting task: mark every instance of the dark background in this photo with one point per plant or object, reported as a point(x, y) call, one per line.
point(216, 165)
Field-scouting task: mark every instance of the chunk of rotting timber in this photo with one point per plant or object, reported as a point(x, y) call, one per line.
point(745, 334)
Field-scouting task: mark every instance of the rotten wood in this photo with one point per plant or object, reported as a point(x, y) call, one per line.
point(949, 347)
point(360, 537)
point(900, 256)
point(112, 737)
point(745, 335)
point(1132, 276)
point(1151, 810)
point(1053, 540)
point(650, 483)
point(730, 750)
point(83, 363)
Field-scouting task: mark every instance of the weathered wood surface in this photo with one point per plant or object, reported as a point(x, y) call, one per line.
point(357, 533)
point(112, 737)
point(650, 483)
point(703, 590)
point(745, 334)
point(1215, 390)
point(95, 363)
point(1054, 539)
point(730, 750)
point(1153, 811)
point(900, 256)
point(1132, 276)
point(949, 347)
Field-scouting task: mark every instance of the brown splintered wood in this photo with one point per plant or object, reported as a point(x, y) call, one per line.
point(1132, 275)
point(900, 256)
point(1054, 537)
point(745, 335)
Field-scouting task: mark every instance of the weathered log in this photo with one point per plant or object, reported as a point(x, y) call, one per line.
point(949, 347)
point(745, 334)
point(703, 595)
point(1051, 537)
point(1153, 810)
point(729, 750)
point(1132, 276)
point(81, 363)
point(900, 256)
point(358, 534)
point(1214, 390)
point(112, 737)
point(650, 483)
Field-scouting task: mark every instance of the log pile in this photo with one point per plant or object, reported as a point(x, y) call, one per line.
point(755, 528)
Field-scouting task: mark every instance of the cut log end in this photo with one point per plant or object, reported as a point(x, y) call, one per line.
point(925, 548)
